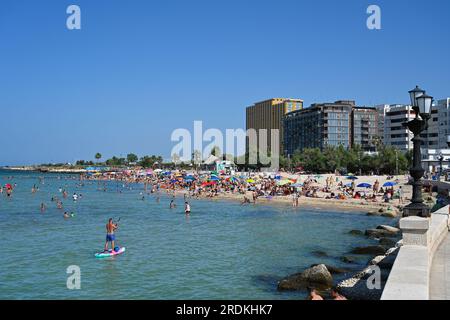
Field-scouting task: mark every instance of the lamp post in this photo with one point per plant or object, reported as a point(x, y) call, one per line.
point(421, 103)
point(441, 159)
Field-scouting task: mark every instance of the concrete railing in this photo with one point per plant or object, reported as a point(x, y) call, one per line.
point(410, 275)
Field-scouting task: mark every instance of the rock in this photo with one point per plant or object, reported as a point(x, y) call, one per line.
point(376, 260)
point(348, 259)
point(355, 288)
point(334, 270)
point(356, 232)
point(387, 262)
point(384, 275)
point(319, 253)
point(390, 214)
point(318, 277)
point(391, 251)
point(380, 233)
point(389, 228)
point(387, 242)
point(359, 291)
point(373, 250)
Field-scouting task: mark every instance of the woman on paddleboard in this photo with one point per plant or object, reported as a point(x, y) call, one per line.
point(110, 236)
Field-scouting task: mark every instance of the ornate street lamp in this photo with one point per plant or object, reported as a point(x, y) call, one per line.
point(421, 103)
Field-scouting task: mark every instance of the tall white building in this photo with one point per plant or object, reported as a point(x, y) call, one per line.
point(391, 128)
point(436, 136)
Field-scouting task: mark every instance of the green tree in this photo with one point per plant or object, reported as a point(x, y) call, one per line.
point(215, 151)
point(132, 158)
point(98, 156)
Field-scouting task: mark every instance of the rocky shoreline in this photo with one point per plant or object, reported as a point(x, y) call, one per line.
point(356, 285)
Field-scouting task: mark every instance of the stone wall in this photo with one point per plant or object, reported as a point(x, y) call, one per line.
point(410, 275)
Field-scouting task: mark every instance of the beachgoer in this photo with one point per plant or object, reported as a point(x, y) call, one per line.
point(313, 295)
point(400, 195)
point(336, 295)
point(187, 208)
point(172, 204)
point(110, 236)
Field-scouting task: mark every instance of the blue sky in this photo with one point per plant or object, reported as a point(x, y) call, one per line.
point(139, 69)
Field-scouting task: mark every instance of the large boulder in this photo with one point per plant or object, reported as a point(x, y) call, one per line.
point(372, 250)
point(380, 233)
point(389, 229)
point(348, 259)
point(356, 232)
point(334, 270)
point(317, 276)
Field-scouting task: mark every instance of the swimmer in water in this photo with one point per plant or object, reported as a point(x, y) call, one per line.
point(43, 207)
point(187, 208)
point(172, 204)
point(66, 215)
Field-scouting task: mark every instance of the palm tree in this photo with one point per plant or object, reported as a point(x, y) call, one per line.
point(98, 156)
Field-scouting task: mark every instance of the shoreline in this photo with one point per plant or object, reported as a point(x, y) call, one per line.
point(313, 203)
point(318, 203)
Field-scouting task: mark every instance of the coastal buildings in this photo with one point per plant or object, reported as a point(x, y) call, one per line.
point(269, 114)
point(391, 129)
point(334, 124)
point(364, 127)
point(344, 123)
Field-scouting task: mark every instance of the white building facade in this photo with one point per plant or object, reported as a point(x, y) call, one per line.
point(391, 128)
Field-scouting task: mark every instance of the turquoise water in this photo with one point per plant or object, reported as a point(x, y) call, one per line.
point(223, 251)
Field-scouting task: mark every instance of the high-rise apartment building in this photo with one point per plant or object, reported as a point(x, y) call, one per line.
point(269, 114)
point(364, 127)
point(391, 128)
point(330, 124)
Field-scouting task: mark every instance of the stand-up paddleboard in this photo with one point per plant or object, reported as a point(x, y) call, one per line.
point(110, 253)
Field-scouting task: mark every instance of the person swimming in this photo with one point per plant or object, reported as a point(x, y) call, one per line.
point(66, 215)
point(172, 204)
point(187, 208)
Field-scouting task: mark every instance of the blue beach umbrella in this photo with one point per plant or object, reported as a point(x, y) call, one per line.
point(214, 178)
point(364, 185)
point(389, 184)
point(352, 178)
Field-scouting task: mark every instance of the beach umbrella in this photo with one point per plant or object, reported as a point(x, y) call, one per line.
point(348, 185)
point(297, 185)
point(277, 177)
point(284, 182)
point(214, 178)
point(389, 184)
point(352, 178)
point(250, 181)
point(364, 185)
